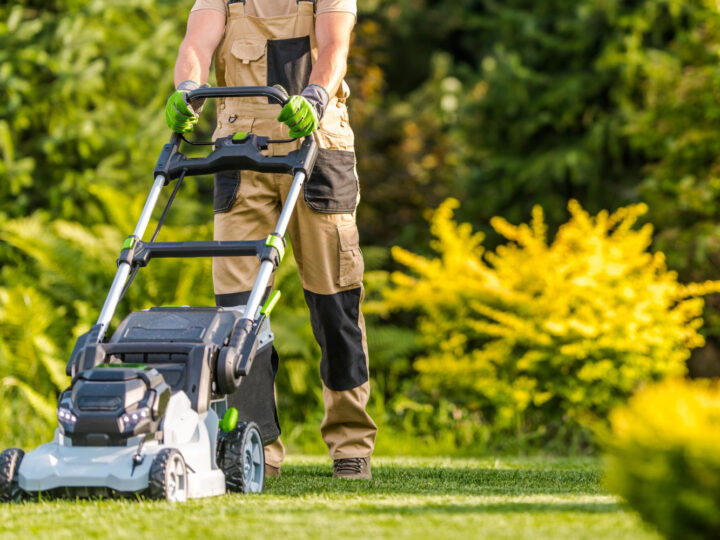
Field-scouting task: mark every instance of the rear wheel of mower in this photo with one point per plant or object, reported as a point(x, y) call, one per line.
point(9, 466)
point(168, 476)
point(242, 458)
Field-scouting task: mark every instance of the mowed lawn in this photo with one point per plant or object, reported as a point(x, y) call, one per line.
point(407, 498)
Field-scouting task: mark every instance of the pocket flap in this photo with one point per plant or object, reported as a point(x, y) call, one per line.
point(248, 50)
point(349, 237)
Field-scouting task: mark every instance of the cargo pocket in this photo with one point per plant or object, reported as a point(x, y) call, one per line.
point(333, 185)
point(251, 68)
point(351, 266)
point(289, 63)
point(225, 190)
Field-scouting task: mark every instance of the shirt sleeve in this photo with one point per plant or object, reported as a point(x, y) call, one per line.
point(217, 5)
point(328, 6)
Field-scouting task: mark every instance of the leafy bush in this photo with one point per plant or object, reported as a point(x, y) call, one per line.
point(538, 102)
point(663, 457)
point(675, 127)
point(83, 84)
point(537, 335)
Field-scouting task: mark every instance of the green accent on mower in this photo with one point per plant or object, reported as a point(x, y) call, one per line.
point(129, 242)
point(240, 135)
point(270, 303)
point(124, 366)
point(229, 420)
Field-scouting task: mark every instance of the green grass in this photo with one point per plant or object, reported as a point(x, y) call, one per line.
point(407, 498)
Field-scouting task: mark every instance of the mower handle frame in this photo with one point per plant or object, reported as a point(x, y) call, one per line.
point(229, 153)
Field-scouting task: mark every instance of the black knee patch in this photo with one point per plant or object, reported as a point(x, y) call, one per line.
point(335, 323)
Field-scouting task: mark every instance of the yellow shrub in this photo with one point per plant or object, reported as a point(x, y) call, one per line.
point(536, 333)
point(662, 456)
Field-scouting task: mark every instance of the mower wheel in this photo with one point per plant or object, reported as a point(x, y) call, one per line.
point(9, 466)
point(242, 458)
point(168, 476)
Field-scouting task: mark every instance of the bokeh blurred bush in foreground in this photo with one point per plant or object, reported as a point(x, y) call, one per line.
point(662, 457)
point(540, 335)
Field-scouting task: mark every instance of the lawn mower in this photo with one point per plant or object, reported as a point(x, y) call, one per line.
point(179, 402)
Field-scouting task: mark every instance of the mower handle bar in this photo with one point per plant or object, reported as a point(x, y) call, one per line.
point(226, 156)
point(270, 92)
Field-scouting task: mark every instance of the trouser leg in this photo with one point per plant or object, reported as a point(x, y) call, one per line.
point(251, 216)
point(326, 248)
point(347, 429)
point(329, 260)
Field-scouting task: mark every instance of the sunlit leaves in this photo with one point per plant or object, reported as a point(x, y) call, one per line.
point(563, 328)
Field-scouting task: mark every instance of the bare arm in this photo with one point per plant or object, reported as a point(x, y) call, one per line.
point(332, 31)
point(205, 29)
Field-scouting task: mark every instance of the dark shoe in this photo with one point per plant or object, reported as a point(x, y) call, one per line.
point(271, 472)
point(352, 468)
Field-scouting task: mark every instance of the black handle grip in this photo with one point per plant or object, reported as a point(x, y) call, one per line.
point(270, 92)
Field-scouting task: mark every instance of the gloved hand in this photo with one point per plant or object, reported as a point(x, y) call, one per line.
point(303, 113)
point(179, 115)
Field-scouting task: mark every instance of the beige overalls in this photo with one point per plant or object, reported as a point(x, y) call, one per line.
point(281, 50)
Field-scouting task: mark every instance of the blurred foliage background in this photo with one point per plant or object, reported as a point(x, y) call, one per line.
point(501, 105)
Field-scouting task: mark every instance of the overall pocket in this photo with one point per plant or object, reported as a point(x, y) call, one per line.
point(247, 65)
point(225, 190)
point(289, 63)
point(333, 185)
point(351, 265)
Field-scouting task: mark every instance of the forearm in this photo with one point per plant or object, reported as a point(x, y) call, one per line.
point(333, 31)
point(330, 68)
point(205, 29)
point(193, 64)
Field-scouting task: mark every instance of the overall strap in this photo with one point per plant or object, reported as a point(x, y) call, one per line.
point(314, 5)
point(305, 19)
point(231, 2)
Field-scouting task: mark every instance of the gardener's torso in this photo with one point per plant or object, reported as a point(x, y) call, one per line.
point(269, 42)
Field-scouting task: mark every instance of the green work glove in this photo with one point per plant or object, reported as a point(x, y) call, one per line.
point(303, 113)
point(179, 115)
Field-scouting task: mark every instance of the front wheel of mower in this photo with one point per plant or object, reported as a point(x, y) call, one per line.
point(10, 460)
point(168, 476)
point(242, 458)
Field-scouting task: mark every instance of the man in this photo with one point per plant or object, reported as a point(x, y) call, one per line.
point(301, 45)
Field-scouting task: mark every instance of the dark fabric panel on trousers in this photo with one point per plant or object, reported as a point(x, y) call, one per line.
point(333, 186)
point(225, 189)
point(334, 319)
point(255, 398)
point(237, 299)
point(289, 63)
